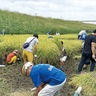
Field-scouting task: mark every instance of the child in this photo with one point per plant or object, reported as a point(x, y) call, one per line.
point(12, 57)
point(63, 57)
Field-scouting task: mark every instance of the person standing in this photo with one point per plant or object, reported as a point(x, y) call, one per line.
point(88, 51)
point(28, 52)
point(63, 56)
point(46, 78)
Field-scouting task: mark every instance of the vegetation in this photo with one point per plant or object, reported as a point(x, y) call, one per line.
point(88, 83)
point(18, 27)
point(45, 51)
point(16, 23)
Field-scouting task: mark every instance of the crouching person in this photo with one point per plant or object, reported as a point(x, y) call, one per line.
point(12, 57)
point(46, 78)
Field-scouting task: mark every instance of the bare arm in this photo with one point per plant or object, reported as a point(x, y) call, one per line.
point(39, 88)
point(93, 49)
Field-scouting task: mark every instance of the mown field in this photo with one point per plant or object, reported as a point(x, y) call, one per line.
point(13, 83)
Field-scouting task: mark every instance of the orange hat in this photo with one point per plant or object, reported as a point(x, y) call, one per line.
point(25, 66)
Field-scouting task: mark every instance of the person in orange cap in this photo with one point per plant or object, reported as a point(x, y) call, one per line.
point(12, 57)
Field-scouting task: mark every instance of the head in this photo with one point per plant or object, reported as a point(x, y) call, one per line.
point(15, 51)
point(25, 67)
point(94, 31)
point(35, 35)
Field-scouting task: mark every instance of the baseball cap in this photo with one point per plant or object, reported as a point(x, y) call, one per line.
point(25, 67)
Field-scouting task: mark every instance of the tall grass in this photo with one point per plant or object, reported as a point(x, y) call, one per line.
point(88, 83)
point(16, 23)
point(48, 51)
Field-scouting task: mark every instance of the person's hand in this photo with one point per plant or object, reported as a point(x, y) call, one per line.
point(35, 56)
point(93, 56)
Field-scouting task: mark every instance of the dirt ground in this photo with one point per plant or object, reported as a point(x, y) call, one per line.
point(13, 83)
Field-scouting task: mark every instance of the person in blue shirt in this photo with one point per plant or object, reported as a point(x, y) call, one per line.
point(46, 78)
point(82, 35)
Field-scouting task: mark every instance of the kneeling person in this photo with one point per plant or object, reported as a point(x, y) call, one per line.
point(12, 57)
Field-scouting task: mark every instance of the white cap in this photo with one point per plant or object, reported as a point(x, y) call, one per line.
point(25, 66)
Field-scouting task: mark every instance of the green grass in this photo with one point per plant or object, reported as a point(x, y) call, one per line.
point(16, 23)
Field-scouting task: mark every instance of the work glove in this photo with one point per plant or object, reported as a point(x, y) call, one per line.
point(35, 56)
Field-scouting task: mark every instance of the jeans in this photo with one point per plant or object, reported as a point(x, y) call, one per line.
point(85, 56)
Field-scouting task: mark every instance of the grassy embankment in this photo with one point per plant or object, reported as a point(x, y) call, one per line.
point(15, 23)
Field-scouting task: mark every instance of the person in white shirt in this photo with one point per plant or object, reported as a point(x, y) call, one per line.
point(27, 53)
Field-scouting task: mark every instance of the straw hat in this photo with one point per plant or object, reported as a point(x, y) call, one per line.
point(25, 67)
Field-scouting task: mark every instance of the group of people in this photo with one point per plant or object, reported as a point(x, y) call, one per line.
point(27, 53)
point(47, 78)
point(88, 51)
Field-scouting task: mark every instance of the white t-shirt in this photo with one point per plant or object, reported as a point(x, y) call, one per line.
point(33, 42)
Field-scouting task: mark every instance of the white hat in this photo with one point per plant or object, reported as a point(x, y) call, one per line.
point(15, 51)
point(25, 67)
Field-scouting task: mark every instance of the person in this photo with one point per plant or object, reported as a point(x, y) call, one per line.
point(3, 32)
point(27, 53)
point(63, 56)
point(12, 57)
point(82, 35)
point(87, 62)
point(88, 51)
point(46, 78)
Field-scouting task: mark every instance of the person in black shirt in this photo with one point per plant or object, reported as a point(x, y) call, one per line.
point(88, 51)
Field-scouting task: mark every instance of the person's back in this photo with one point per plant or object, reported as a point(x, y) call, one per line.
point(12, 57)
point(32, 44)
point(48, 73)
point(27, 53)
point(87, 45)
point(9, 57)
